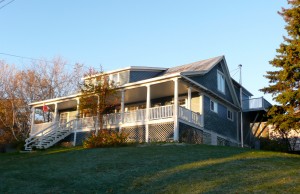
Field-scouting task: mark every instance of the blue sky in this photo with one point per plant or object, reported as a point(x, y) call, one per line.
point(162, 33)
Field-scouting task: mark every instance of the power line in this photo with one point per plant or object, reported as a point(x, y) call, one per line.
point(2, 1)
point(34, 59)
point(234, 70)
point(22, 57)
point(6, 3)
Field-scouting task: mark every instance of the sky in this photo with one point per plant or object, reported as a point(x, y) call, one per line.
point(159, 33)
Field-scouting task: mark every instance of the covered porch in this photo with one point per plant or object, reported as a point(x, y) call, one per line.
point(141, 104)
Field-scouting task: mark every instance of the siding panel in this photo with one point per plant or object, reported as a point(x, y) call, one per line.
point(142, 75)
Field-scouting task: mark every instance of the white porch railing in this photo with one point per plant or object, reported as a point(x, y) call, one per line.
point(161, 112)
point(155, 113)
point(87, 122)
point(135, 116)
point(255, 103)
point(190, 116)
point(41, 126)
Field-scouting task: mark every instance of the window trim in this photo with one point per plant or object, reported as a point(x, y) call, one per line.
point(221, 87)
point(215, 109)
point(230, 111)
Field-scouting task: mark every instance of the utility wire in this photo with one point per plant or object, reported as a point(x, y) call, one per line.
point(2, 1)
point(7, 54)
point(234, 69)
point(34, 59)
point(234, 74)
point(6, 3)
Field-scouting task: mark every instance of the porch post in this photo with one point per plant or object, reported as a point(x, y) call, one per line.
point(122, 105)
point(55, 112)
point(97, 120)
point(176, 127)
point(122, 109)
point(32, 118)
point(189, 98)
point(76, 123)
point(148, 105)
point(201, 109)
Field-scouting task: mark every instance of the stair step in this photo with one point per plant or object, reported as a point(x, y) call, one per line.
point(47, 140)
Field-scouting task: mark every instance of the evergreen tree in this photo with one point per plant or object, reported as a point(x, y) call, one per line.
point(284, 81)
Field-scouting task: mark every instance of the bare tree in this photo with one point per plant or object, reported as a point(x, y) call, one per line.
point(98, 95)
point(40, 81)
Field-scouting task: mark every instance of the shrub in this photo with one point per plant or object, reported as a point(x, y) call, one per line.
point(273, 145)
point(105, 138)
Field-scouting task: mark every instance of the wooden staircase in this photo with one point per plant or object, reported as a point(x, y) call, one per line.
point(50, 135)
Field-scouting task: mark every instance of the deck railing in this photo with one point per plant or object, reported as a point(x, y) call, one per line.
point(155, 113)
point(36, 128)
point(134, 116)
point(255, 104)
point(190, 116)
point(161, 112)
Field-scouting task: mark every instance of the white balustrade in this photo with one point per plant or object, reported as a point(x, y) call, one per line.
point(161, 112)
point(190, 116)
point(155, 113)
point(134, 116)
point(39, 127)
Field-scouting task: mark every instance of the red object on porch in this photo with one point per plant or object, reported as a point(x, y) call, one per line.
point(45, 108)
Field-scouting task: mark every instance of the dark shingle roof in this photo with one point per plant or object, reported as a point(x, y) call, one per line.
point(204, 66)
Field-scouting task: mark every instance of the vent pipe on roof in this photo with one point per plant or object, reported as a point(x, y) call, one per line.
point(241, 101)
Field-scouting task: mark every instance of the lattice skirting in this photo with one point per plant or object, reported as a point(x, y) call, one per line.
point(135, 133)
point(207, 138)
point(80, 137)
point(161, 132)
point(189, 134)
point(224, 142)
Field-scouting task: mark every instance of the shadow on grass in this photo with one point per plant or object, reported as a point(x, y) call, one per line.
point(244, 172)
point(63, 150)
point(148, 169)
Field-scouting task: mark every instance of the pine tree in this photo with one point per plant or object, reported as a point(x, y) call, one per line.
point(284, 81)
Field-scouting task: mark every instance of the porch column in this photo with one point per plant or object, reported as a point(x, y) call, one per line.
point(76, 122)
point(122, 105)
point(55, 112)
point(148, 105)
point(32, 118)
point(189, 98)
point(176, 127)
point(201, 108)
point(97, 120)
point(77, 107)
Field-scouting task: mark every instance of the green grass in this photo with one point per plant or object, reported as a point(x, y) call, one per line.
point(150, 169)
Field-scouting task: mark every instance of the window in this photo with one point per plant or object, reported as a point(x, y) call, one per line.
point(221, 82)
point(229, 115)
point(214, 106)
point(115, 78)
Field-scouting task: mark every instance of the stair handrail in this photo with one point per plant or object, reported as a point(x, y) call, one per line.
point(32, 138)
point(40, 132)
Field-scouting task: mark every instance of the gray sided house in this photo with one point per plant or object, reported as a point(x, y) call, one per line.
point(193, 103)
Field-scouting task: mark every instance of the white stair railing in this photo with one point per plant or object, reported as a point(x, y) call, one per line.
point(50, 135)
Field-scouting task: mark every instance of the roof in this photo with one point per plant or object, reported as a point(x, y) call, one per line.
point(132, 68)
point(199, 66)
point(239, 85)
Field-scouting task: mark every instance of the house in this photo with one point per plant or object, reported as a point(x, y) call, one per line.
point(196, 103)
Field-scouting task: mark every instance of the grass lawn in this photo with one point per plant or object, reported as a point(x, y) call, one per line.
point(150, 169)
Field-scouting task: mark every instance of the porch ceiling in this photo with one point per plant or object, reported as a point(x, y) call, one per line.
point(61, 105)
point(157, 91)
point(67, 104)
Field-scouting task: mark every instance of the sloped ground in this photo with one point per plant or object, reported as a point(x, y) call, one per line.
point(150, 169)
